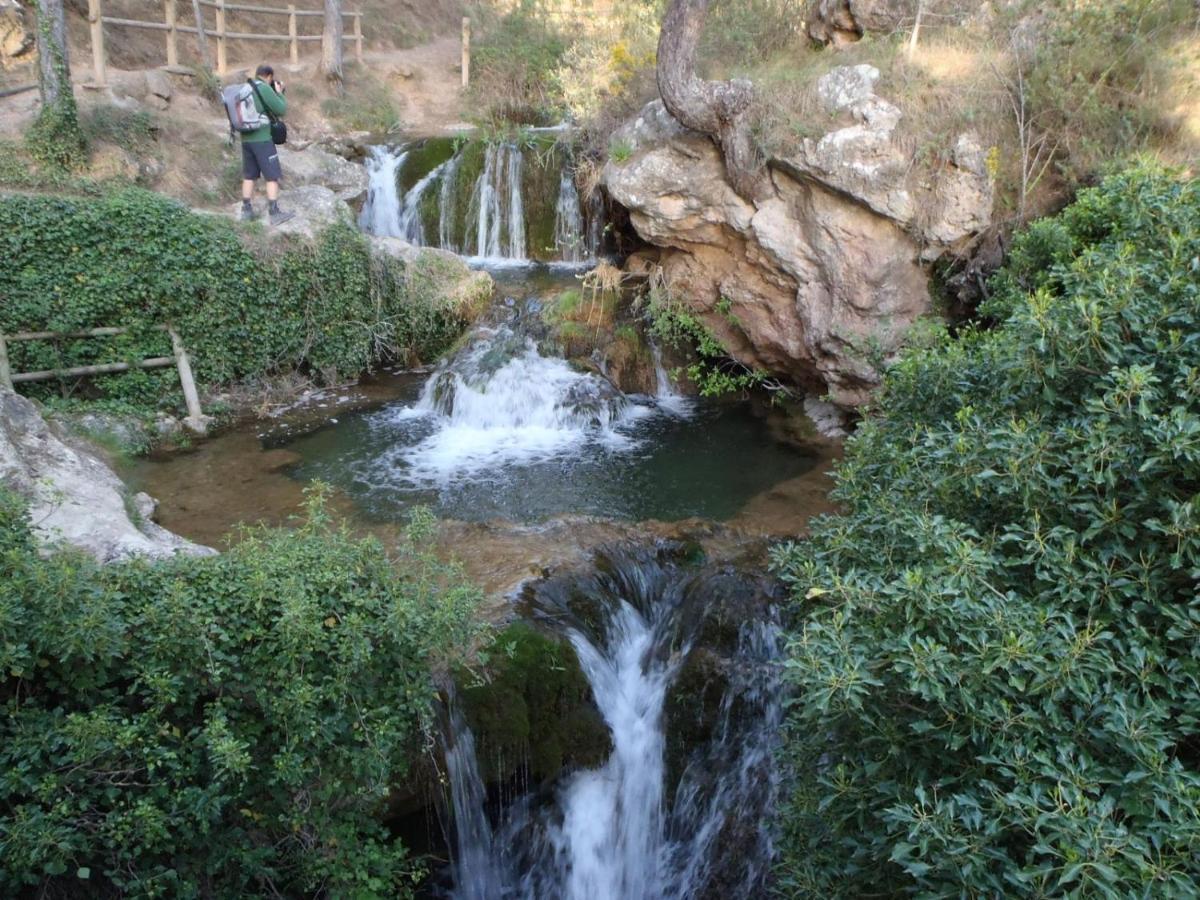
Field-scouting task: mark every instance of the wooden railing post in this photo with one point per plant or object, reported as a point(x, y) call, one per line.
point(466, 52)
point(195, 415)
point(221, 61)
point(172, 34)
point(292, 32)
point(6, 382)
point(358, 40)
point(96, 23)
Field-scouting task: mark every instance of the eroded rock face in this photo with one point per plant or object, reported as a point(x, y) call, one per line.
point(839, 22)
point(820, 280)
point(74, 497)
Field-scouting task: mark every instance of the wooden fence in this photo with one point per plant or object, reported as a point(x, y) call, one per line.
point(170, 24)
point(9, 379)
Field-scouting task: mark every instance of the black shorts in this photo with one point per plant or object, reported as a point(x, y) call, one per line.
point(260, 158)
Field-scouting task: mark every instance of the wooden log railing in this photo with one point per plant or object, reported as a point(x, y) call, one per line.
point(196, 420)
point(170, 24)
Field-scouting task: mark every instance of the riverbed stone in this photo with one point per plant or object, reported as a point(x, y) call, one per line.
point(317, 166)
point(74, 497)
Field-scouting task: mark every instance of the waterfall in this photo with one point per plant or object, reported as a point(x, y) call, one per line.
point(665, 392)
point(616, 831)
point(516, 204)
point(494, 222)
point(446, 197)
point(497, 206)
point(381, 213)
point(568, 220)
point(498, 400)
point(412, 228)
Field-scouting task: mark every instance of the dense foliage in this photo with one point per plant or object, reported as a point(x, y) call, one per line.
point(136, 259)
point(997, 658)
point(226, 726)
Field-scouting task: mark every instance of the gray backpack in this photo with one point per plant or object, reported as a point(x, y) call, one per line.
point(239, 106)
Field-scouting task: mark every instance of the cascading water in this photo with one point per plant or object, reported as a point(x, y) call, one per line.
point(381, 213)
point(484, 200)
point(665, 392)
point(568, 221)
point(646, 825)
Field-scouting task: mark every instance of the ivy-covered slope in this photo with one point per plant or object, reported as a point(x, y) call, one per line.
point(996, 660)
point(226, 726)
point(137, 259)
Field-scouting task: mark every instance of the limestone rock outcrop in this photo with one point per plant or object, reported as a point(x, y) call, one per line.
point(74, 497)
point(839, 22)
point(316, 166)
point(819, 281)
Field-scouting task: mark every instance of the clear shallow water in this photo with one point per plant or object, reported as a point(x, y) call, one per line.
point(651, 463)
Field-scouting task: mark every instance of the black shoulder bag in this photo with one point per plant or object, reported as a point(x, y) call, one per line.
point(278, 126)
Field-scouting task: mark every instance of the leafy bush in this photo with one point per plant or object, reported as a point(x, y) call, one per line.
point(513, 66)
point(136, 259)
point(367, 105)
point(995, 661)
point(714, 371)
point(224, 726)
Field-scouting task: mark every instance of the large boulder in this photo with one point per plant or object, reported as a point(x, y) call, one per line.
point(315, 208)
point(74, 497)
point(840, 22)
point(820, 280)
point(316, 166)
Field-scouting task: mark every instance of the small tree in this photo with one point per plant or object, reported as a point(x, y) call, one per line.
point(55, 138)
point(716, 108)
point(331, 41)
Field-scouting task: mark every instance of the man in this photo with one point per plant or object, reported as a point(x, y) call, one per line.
point(259, 156)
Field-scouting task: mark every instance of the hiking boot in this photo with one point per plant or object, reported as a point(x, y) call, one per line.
point(279, 216)
point(247, 214)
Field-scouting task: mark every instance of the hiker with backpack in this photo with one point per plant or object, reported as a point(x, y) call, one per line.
point(256, 111)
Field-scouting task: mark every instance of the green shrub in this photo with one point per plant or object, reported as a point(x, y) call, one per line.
point(136, 259)
point(995, 661)
point(367, 105)
point(226, 726)
point(513, 66)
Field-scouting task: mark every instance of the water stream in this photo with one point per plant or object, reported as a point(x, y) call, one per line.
point(513, 447)
point(648, 824)
point(490, 200)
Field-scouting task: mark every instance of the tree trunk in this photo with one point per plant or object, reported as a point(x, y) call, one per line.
point(331, 41)
point(201, 37)
point(54, 65)
point(716, 108)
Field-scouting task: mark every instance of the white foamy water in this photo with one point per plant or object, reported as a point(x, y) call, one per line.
point(612, 836)
point(381, 213)
point(611, 833)
point(489, 411)
point(666, 395)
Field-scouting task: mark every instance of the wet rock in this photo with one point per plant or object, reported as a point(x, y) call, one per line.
point(534, 715)
point(74, 497)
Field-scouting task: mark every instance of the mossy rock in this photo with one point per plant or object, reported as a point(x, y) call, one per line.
point(536, 712)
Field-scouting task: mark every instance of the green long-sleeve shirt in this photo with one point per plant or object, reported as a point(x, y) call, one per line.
point(272, 102)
